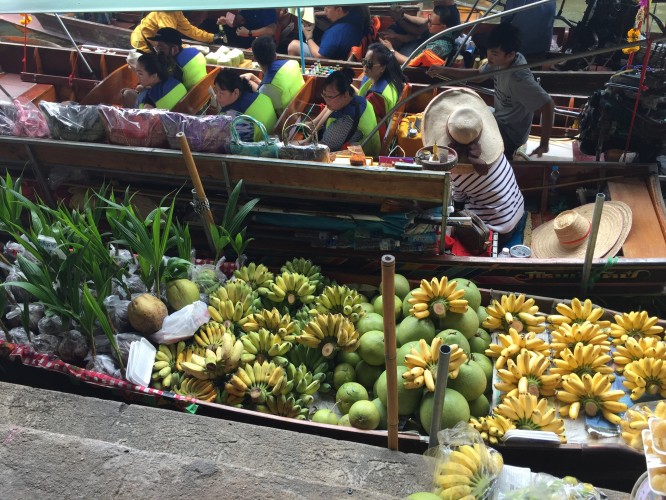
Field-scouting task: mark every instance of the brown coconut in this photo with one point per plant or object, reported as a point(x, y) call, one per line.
point(146, 313)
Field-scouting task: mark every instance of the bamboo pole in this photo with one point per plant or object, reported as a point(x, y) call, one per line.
point(390, 349)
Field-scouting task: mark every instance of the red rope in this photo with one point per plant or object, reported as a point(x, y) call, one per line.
point(25, 47)
point(71, 75)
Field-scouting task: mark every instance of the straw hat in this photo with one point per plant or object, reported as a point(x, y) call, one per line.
point(466, 116)
point(566, 236)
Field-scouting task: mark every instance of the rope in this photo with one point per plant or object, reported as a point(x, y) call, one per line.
point(71, 75)
point(199, 206)
point(594, 276)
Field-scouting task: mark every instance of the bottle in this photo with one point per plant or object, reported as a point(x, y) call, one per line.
point(505, 253)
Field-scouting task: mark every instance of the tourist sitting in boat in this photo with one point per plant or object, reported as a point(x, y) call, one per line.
point(383, 80)
point(235, 97)
point(191, 62)
point(351, 116)
point(177, 20)
point(159, 89)
point(438, 21)
point(338, 39)
point(460, 119)
point(282, 78)
point(517, 94)
point(245, 26)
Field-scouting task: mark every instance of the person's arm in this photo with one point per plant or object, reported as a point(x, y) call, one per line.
point(266, 30)
point(415, 25)
point(547, 113)
point(252, 79)
point(186, 28)
point(398, 56)
point(307, 40)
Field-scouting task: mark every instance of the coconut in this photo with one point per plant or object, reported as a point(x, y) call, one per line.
point(181, 293)
point(146, 313)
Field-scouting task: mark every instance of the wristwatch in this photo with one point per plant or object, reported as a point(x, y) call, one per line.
point(392, 51)
point(250, 32)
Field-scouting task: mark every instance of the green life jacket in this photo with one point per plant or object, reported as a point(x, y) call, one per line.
point(366, 123)
point(259, 107)
point(282, 82)
point(193, 64)
point(388, 92)
point(164, 95)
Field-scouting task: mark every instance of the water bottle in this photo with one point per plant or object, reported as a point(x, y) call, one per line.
point(552, 190)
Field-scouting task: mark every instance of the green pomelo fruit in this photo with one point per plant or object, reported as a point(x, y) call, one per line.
point(472, 293)
point(364, 415)
point(362, 298)
point(479, 407)
point(367, 375)
point(486, 365)
point(371, 321)
point(480, 341)
point(411, 329)
point(401, 284)
point(325, 416)
point(471, 381)
point(466, 323)
point(481, 313)
point(367, 307)
point(379, 306)
point(423, 495)
point(344, 421)
point(348, 394)
point(408, 399)
point(404, 350)
point(371, 348)
point(406, 306)
point(383, 424)
point(348, 357)
point(451, 336)
point(342, 374)
point(181, 293)
point(455, 409)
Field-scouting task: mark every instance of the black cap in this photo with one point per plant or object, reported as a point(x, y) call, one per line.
point(167, 35)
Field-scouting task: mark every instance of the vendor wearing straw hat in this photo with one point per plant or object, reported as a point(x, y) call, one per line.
point(460, 119)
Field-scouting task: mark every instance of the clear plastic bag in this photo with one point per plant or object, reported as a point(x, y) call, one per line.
point(19, 336)
point(207, 277)
point(50, 324)
point(547, 487)
point(103, 364)
point(19, 294)
point(61, 175)
point(135, 284)
point(133, 127)
point(182, 324)
point(7, 119)
point(35, 313)
point(205, 134)
point(124, 341)
point(73, 347)
point(46, 344)
point(73, 122)
point(30, 122)
point(117, 311)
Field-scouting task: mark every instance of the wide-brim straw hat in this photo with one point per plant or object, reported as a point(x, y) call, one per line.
point(567, 235)
point(436, 116)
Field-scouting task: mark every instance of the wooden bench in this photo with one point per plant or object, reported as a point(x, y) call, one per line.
point(646, 238)
point(34, 92)
point(108, 90)
point(197, 97)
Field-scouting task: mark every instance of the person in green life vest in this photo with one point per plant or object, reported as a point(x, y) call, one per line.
point(282, 78)
point(351, 118)
point(159, 89)
point(235, 97)
point(383, 80)
point(190, 62)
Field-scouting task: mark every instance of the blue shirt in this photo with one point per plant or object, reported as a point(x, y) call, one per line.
point(340, 37)
point(535, 25)
point(258, 18)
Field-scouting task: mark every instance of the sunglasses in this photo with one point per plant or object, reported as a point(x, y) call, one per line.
point(329, 97)
point(368, 64)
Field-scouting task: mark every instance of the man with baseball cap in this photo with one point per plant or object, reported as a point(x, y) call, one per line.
point(177, 20)
point(192, 63)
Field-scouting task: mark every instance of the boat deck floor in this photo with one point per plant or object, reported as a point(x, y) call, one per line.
point(16, 87)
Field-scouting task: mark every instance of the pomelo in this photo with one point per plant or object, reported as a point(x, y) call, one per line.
point(451, 336)
point(455, 409)
point(471, 381)
point(423, 495)
point(348, 357)
point(371, 321)
point(401, 286)
point(480, 341)
point(378, 304)
point(367, 307)
point(371, 348)
point(481, 313)
point(466, 323)
point(364, 415)
point(404, 350)
point(325, 416)
point(367, 375)
point(342, 374)
point(412, 328)
point(486, 365)
point(472, 293)
point(348, 394)
point(479, 407)
point(406, 306)
point(408, 399)
point(344, 421)
point(383, 424)
point(181, 293)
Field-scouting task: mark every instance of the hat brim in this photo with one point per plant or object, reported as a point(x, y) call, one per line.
point(440, 108)
point(614, 228)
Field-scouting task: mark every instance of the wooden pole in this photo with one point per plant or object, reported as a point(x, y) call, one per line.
point(390, 349)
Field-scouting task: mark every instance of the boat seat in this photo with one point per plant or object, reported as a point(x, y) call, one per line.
point(34, 92)
point(646, 238)
point(197, 97)
point(108, 90)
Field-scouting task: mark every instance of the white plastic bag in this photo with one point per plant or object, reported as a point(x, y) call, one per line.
point(182, 324)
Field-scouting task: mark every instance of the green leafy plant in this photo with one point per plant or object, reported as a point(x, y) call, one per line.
point(183, 240)
point(230, 231)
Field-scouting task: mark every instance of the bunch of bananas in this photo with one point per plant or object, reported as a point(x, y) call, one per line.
point(422, 364)
point(526, 411)
point(195, 388)
point(303, 383)
point(186, 355)
point(307, 269)
point(633, 350)
point(231, 302)
point(256, 382)
point(284, 406)
point(262, 346)
point(468, 472)
point(437, 297)
point(254, 275)
point(579, 313)
point(514, 311)
point(567, 336)
point(589, 359)
point(636, 419)
point(593, 394)
point(512, 343)
point(332, 332)
point(273, 321)
point(215, 363)
point(636, 325)
point(647, 375)
point(527, 374)
point(339, 299)
point(210, 335)
point(165, 371)
point(492, 428)
point(314, 362)
point(292, 289)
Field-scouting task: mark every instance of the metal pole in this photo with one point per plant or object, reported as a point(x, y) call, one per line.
point(300, 39)
point(440, 392)
point(390, 349)
point(62, 25)
point(592, 241)
point(452, 59)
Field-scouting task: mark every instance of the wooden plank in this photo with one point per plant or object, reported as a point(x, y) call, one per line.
point(645, 240)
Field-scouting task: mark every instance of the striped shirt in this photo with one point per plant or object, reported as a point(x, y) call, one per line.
point(494, 197)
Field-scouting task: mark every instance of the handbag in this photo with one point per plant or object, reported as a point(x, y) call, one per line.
point(475, 237)
point(304, 152)
point(266, 149)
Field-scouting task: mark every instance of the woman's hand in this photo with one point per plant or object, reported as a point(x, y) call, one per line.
point(222, 21)
point(308, 29)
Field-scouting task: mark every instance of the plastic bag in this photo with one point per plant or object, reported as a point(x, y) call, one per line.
point(46, 344)
point(182, 324)
point(73, 347)
point(18, 336)
point(73, 122)
point(19, 294)
point(103, 364)
point(35, 313)
point(205, 134)
point(29, 120)
point(117, 310)
point(124, 341)
point(208, 278)
point(61, 175)
point(547, 487)
point(7, 119)
point(50, 324)
point(133, 127)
